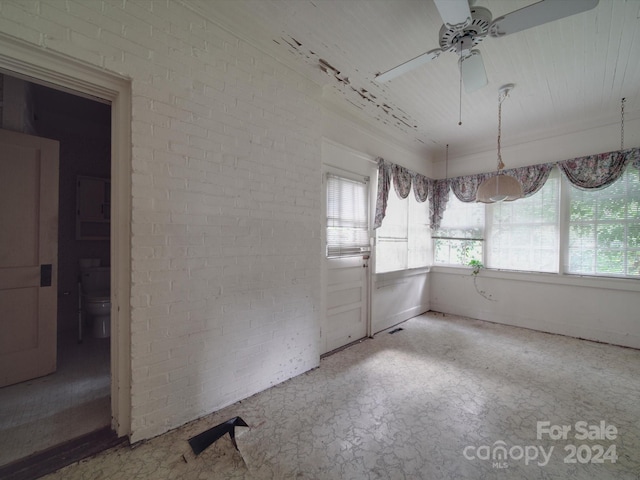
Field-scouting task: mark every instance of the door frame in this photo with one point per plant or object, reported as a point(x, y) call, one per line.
point(46, 67)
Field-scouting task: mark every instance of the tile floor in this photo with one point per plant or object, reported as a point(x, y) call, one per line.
point(46, 411)
point(436, 400)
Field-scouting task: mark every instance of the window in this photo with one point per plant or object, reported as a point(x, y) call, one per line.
point(524, 234)
point(347, 217)
point(419, 245)
point(461, 234)
point(600, 230)
point(604, 229)
point(403, 240)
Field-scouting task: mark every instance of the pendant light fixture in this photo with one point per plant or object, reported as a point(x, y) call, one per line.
point(500, 187)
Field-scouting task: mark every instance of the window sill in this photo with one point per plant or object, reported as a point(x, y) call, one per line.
point(609, 283)
point(389, 276)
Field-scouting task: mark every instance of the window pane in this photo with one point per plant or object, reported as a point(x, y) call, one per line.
point(404, 238)
point(391, 256)
point(523, 234)
point(419, 241)
point(462, 220)
point(457, 251)
point(604, 232)
point(347, 218)
point(395, 222)
point(459, 238)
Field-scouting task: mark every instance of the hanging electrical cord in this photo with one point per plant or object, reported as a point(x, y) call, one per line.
point(499, 187)
point(502, 94)
point(622, 123)
point(460, 94)
point(446, 164)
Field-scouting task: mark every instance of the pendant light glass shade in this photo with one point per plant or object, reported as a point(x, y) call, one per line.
point(500, 187)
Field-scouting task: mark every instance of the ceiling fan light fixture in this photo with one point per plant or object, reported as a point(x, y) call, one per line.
point(473, 72)
point(500, 187)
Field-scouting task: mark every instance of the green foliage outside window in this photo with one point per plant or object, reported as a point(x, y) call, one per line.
point(604, 228)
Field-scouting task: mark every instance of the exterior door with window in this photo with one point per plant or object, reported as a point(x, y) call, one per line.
point(347, 255)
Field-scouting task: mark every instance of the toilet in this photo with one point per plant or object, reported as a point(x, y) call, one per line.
point(96, 298)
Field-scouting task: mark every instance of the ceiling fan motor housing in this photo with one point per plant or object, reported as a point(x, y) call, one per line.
point(462, 39)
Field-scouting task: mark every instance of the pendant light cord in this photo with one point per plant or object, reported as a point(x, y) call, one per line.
point(460, 91)
point(501, 97)
point(622, 123)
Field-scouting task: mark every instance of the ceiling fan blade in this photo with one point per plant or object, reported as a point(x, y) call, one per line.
point(454, 12)
point(408, 65)
point(474, 76)
point(537, 14)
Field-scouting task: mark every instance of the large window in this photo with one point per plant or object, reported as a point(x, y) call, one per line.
point(460, 237)
point(524, 234)
point(404, 240)
point(347, 217)
point(604, 229)
point(600, 230)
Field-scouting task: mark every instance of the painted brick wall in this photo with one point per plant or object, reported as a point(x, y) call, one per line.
point(226, 201)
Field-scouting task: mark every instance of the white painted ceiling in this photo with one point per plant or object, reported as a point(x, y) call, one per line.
point(570, 74)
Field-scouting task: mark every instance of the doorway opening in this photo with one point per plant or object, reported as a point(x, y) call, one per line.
point(43, 412)
point(46, 67)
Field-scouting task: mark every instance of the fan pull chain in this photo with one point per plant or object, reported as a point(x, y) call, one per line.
point(622, 123)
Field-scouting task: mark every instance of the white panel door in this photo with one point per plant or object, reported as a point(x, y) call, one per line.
point(347, 303)
point(28, 256)
point(346, 269)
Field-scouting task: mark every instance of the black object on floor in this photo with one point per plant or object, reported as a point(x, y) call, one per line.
point(48, 461)
point(396, 330)
point(206, 438)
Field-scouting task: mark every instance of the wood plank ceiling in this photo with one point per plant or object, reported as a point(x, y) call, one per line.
point(569, 74)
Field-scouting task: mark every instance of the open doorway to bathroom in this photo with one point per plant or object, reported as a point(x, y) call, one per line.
point(43, 412)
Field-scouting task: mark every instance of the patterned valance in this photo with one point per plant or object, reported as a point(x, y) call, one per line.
point(466, 187)
point(403, 180)
point(384, 182)
point(599, 171)
point(421, 187)
point(593, 171)
point(532, 178)
point(438, 202)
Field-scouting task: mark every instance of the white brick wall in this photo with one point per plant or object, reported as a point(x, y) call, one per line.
point(226, 201)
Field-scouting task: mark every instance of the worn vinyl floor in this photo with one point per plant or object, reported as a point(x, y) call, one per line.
point(46, 411)
point(446, 397)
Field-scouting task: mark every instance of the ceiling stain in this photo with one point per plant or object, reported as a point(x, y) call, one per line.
point(381, 109)
point(327, 67)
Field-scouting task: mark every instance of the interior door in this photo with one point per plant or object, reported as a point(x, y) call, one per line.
point(28, 256)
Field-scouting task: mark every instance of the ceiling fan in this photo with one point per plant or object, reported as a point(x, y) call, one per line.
point(466, 26)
